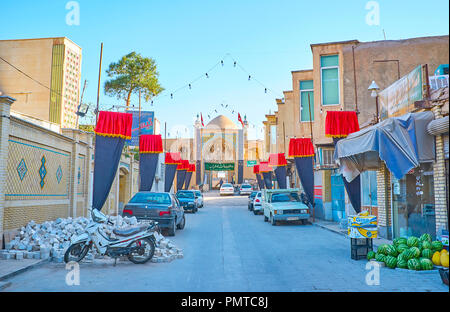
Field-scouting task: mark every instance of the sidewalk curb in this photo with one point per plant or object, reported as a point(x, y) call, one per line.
point(375, 243)
point(329, 229)
point(24, 269)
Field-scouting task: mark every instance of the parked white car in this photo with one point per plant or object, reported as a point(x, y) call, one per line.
point(199, 197)
point(245, 189)
point(284, 205)
point(226, 189)
point(257, 204)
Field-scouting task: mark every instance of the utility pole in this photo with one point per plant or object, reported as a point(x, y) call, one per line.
point(99, 77)
point(312, 141)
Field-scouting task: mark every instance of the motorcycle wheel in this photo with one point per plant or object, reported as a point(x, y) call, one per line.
point(78, 251)
point(144, 252)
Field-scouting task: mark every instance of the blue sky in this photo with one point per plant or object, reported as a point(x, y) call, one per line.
point(186, 38)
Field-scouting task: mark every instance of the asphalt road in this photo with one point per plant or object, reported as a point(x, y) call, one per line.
point(227, 248)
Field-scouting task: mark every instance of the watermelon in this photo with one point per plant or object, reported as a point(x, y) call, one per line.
point(391, 262)
point(382, 249)
point(399, 241)
point(408, 254)
point(400, 257)
point(425, 238)
point(427, 253)
point(415, 251)
point(402, 263)
point(402, 247)
point(392, 251)
point(437, 245)
point(426, 245)
point(426, 264)
point(370, 255)
point(380, 257)
point(412, 241)
point(414, 264)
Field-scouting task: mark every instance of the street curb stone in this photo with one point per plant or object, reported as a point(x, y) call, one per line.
point(24, 269)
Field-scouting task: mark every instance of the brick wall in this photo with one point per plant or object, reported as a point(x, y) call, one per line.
point(440, 191)
point(384, 201)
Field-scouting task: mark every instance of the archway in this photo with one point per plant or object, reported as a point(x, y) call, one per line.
point(124, 188)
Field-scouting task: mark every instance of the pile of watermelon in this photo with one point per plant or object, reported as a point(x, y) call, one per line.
point(408, 253)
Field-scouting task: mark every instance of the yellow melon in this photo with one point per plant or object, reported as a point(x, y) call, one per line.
point(444, 259)
point(436, 259)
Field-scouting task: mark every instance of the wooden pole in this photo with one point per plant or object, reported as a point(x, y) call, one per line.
point(139, 114)
point(312, 141)
point(99, 77)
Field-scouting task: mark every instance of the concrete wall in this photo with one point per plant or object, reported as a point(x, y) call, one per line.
point(409, 52)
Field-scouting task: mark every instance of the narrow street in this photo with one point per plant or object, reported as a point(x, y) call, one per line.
point(227, 248)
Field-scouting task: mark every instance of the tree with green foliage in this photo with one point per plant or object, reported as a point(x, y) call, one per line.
point(131, 74)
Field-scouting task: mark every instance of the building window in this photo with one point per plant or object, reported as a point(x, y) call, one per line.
point(369, 191)
point(413, 204)
point(306, 89)
point(329, 71)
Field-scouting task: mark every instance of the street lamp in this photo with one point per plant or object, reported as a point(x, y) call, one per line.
point(374, 88)
point(82, 109)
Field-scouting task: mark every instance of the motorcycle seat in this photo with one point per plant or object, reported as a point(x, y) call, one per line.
point(131, 230)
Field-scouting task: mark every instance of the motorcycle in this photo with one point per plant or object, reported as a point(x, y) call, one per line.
point(137, 242)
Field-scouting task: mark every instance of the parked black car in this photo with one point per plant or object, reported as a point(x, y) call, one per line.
point(251, 197)
point(162, 207)
point(188, 200)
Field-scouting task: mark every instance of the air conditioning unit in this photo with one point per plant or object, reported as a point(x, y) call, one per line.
point(437, 82)
point(326, 158)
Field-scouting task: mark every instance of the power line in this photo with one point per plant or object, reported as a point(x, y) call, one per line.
point(35, 80)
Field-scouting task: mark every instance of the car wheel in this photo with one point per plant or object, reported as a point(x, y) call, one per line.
point(272, 220)
point(172, 228)
point(255, 212)
point(181, 225)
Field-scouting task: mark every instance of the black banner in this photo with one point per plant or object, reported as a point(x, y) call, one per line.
point(147, 169)
point(187, 180)
point(240, 172)
point(170, 170)
point(280, 173)
point(181, 174)
point(305, 172)
point(108, 151)
point(260, 181)
point(267, 176)
point(353, 188)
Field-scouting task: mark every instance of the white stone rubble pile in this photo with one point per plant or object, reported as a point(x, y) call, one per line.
point(52, 238)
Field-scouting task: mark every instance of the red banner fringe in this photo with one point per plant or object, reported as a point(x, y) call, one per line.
point(150, 143)
point(173, 159)
point(339, 124)
point(113, 124)
point(301, 147)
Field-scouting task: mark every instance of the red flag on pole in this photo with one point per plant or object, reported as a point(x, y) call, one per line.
point(240, 119)
point(201, 116)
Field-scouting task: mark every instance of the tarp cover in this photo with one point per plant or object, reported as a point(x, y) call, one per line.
point(401, 142)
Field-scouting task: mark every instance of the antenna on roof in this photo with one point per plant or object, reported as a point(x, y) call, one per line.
point(384, 34)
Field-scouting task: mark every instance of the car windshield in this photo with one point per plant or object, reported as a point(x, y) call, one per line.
point(284, 197)
point(253, 194)
point(185, 195)
point(198, 193)
point(151, 198)
point(227, 185)
point(246, 186)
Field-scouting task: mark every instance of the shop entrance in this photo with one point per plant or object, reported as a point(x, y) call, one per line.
point(413, 209)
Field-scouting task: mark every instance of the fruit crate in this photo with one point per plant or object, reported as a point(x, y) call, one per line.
point(360, 247)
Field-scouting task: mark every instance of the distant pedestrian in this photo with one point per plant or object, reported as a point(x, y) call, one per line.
point(220, 183)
